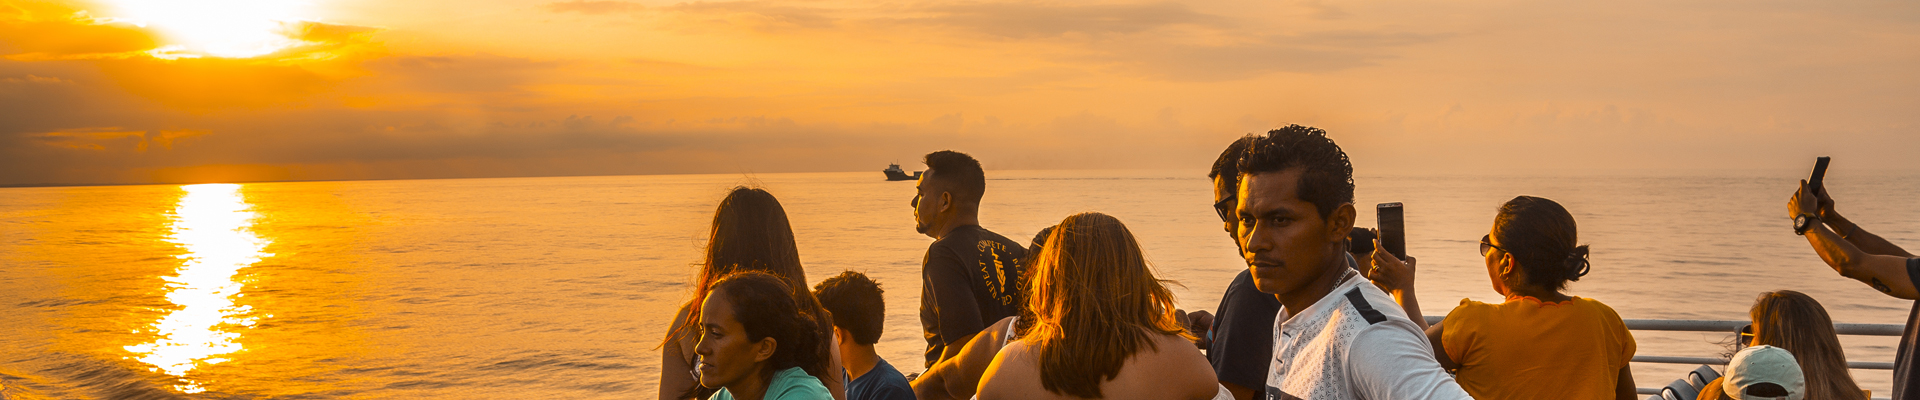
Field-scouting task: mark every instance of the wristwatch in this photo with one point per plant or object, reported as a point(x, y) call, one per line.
point(1803, 222)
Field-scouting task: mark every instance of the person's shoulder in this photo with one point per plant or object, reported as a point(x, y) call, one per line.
point(795, 384)
point(1374, 306)
point(981, 234)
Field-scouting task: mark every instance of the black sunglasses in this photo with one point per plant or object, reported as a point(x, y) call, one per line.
point(1746, 335)
point(1224, 207)
point(1486, 244)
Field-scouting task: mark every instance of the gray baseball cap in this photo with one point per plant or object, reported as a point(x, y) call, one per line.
point(1762, 369)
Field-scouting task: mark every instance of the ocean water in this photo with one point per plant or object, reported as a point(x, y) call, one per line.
point(562, 287)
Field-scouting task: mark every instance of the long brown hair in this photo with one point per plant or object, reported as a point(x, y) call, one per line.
point(750, 233)
point(1094, 301)
point(1794, 321)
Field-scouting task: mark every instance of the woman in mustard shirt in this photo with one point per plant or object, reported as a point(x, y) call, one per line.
point(1539, 343)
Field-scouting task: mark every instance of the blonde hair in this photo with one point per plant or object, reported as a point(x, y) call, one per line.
point(1093, 300)
point(1796, 322)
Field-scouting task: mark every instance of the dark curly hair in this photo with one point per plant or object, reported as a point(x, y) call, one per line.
point(857, 305)
point(764, 305)
point(1328, 181)
point(1542, 237)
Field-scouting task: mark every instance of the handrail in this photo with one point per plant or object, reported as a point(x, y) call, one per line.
point(1729, 327)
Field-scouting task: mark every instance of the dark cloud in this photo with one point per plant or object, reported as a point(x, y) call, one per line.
point(592, 7)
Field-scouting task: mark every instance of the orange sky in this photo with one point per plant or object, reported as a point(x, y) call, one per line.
point(122, 91)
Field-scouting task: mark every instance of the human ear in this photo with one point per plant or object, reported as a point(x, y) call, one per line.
point(1340, 222)
point(763, 349)
point(946, 201)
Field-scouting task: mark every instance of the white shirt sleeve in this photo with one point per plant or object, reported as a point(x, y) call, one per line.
point(1388, 362)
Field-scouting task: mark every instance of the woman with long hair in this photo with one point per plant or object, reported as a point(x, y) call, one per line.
point(1539, 342)
point(750, 233)
point(757, 344)
point(1102, 325)
point(1797, 323)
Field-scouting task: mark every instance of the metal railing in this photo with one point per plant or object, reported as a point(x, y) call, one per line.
point(1729, 327)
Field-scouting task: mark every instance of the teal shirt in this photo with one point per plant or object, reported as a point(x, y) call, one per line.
point(788, 384)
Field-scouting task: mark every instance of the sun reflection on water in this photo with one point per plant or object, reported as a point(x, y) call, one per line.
point(213, 223)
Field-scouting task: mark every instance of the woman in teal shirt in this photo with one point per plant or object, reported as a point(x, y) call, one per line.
point(756, 344)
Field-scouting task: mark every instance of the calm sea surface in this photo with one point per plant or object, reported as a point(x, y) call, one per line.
point(562, 287)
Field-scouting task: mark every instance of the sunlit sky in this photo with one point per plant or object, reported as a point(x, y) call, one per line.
point(147, 91)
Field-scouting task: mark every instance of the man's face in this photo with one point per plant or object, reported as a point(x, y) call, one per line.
point(925, 199)
point(1285, 241)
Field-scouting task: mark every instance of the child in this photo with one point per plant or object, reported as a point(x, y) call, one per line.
point(859, 314)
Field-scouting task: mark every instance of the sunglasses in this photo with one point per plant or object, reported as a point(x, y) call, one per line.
point(1746, 335)
point(1486, 245)
point(1224, 207)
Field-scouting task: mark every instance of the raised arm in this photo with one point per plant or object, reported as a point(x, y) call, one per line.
point(1866, 241)
point(1396, 278)
point(1887, 273)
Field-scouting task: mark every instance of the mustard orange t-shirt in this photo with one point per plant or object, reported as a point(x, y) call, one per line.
point(1529, 349)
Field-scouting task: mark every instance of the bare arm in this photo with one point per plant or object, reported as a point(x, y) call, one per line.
point(959, 376)
point(1434, 333)
point(1866, 241)
point(1396, 278)
point(1624, 389)
point(675, 380)
point(1886, 273)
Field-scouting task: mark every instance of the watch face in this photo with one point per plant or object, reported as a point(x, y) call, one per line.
point(1801, 223)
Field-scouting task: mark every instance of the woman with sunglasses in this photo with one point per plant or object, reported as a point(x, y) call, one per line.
point(757, 343)
point(1540, 343)
point(1797, 323)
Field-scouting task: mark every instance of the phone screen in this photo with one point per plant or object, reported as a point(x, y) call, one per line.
point(1819, 173)
point(1393, 231)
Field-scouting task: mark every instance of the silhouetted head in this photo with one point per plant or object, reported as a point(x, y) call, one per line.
point(1539, 238)
point(858, 308)
point(1296, 207)
point(1796, 322)
point(751, 328)
point(1091, 280)
point(1226, 181)
point(950, 189)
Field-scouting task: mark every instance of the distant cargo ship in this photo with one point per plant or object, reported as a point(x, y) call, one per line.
point(894, 173)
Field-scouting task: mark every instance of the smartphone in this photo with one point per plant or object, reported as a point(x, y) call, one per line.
point(1819, 173)
point(1393, 229)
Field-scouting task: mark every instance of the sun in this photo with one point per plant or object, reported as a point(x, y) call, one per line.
point(221, 28)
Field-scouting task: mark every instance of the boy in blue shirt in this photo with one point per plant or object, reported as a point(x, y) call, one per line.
point(859, 313)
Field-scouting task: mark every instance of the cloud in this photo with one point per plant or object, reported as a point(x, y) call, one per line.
point(762, 16)
point(43, 30)
point(1023, 20)
point(592, 7)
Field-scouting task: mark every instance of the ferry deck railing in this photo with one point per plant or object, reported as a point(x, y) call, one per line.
point(1729, 327)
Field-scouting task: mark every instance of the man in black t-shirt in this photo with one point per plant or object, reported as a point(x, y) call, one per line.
point(1242, 329)
point(1865, 257)
point(971, 277)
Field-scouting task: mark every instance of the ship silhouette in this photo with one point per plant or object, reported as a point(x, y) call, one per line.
point(894, 173)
